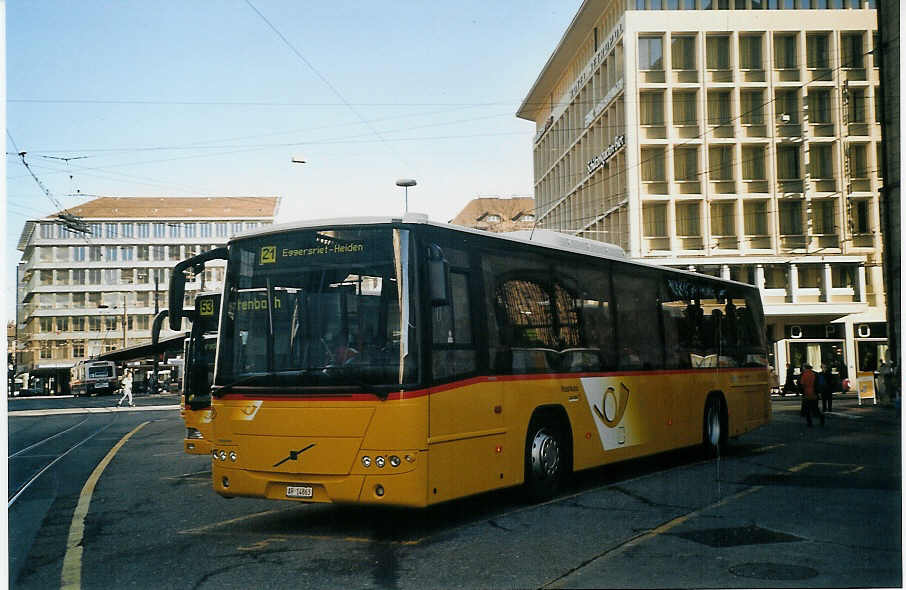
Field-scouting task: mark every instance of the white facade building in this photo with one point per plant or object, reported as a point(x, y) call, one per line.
point(80, 295)
point(737, 138)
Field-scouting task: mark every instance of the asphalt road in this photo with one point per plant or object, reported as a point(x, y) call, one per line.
point(786, 506)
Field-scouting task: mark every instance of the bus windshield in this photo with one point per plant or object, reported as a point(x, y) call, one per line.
point(100, 372)
point(319, 308)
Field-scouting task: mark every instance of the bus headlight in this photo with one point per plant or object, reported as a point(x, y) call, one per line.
point(222, 456)
point(233, 456)
point(394, 461)
point(366, 461)
point(379, 461)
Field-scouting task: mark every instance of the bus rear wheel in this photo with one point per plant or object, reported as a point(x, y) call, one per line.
point(714, 435)
point(544, 460)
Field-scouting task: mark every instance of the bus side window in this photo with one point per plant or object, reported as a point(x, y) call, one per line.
point(453, 346)
point(638, 325)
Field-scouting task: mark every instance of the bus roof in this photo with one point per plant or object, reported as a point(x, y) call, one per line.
point(543, 238)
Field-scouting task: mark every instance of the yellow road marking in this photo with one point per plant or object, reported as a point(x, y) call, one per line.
point(71, 578)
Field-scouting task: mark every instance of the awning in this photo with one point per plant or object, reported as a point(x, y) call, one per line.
point(144, 351)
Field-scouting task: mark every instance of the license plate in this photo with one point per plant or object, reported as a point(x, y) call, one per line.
point(299, 492)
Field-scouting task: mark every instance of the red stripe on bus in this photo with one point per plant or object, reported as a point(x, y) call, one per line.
point(404, 395)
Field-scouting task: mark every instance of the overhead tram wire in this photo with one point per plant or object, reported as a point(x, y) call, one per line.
point(324, 79)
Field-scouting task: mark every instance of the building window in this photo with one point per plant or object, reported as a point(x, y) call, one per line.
point(46, 350)
point(111, 276)
point(78, 300)
point(78, 253)
point(682, 52)
point(527, 218)
point(818, 49)
point(651, 105)
point(78, 276)
point(110, 253)
point(251, 225)
point(45, 253)
point(110, 230)
point(685, 164)
point(491, 218)
point(651, 53)
point(721, 160)
point(110, 322)
point(653, 164)
point(819, 106)
point(62, 324)
point(791, 218)
point(127, 253)
point(824, 216)
point(236, 227)
point(755, 218)
point(221, 229)
point(94, 276)
point(159, 252)
point(142, 322)
point(752, 107)
point(160, 230)
point(46, 230)
point(654, 217)
point(858, 160)
point(62, 277)
point(862, 217)
point(785, 52)
point(95, 230)
point(128, 230)
point(46, 324)
point(750, 52)
point(821, 161)
point(205, 230)
point(190, 230)
point(62, 253)
point(94, 324)
point(141, 277)
point(788, 162)
point(46, 277)
point(143, 230)
point(126, 275)
point(857, 105)
point(173, 253)
point(688, 220)
point(143, 253)
point(174, 230)
point(94, 254)
point(723, 219)
point(685, 109)
point(787, 105)
point(718, 52)
point(851, 55)
point(78, 350)
point(78, 323)
point(719, 111)
point(753, 162)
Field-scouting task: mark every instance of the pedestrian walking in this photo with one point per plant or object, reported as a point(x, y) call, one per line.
point(127, 389)
point(809, 395)
point(824, 386)
point(789, 386)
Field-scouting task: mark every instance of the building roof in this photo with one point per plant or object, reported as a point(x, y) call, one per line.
point(174, 207)
point(477, 210)
point(539, 96)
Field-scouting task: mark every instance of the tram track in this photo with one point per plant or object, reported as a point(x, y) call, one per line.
point(37, 472)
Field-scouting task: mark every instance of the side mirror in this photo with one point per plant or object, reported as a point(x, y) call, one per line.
point(438, 276)
point(158, 322)
point(177, 289)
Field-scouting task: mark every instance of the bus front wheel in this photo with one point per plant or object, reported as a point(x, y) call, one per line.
point(544, 460)
point(714, 435)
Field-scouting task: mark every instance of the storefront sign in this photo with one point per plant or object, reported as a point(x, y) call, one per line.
point(599, 56)
point(606, 155)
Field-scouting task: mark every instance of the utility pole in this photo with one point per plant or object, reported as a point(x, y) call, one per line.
point(156, 310)
point(124, 320)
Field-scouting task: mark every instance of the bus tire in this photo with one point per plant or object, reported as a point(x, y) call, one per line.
point(714, 427)
point(545, 459)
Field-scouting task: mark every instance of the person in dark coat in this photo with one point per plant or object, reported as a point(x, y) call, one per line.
point(809, 396)
point(824, 385)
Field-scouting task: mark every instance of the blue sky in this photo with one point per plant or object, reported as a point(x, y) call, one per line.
point(174, 98)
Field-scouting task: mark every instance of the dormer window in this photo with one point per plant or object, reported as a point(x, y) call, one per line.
point(527, 217)
point(492, 218)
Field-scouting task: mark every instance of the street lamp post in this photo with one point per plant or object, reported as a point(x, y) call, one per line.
point(406, 182)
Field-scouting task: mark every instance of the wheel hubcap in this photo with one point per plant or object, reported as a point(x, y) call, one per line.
point(545, 455)
point(713, 427)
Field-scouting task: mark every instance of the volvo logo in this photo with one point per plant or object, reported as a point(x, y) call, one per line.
point(293, 455)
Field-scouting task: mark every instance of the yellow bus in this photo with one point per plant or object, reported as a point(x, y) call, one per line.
point(405, 362)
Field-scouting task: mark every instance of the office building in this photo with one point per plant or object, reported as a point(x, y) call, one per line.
point(737, 138)
point(83, 294)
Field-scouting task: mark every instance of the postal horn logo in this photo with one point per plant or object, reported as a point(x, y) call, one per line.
point(613, 405)
point(268, 254)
